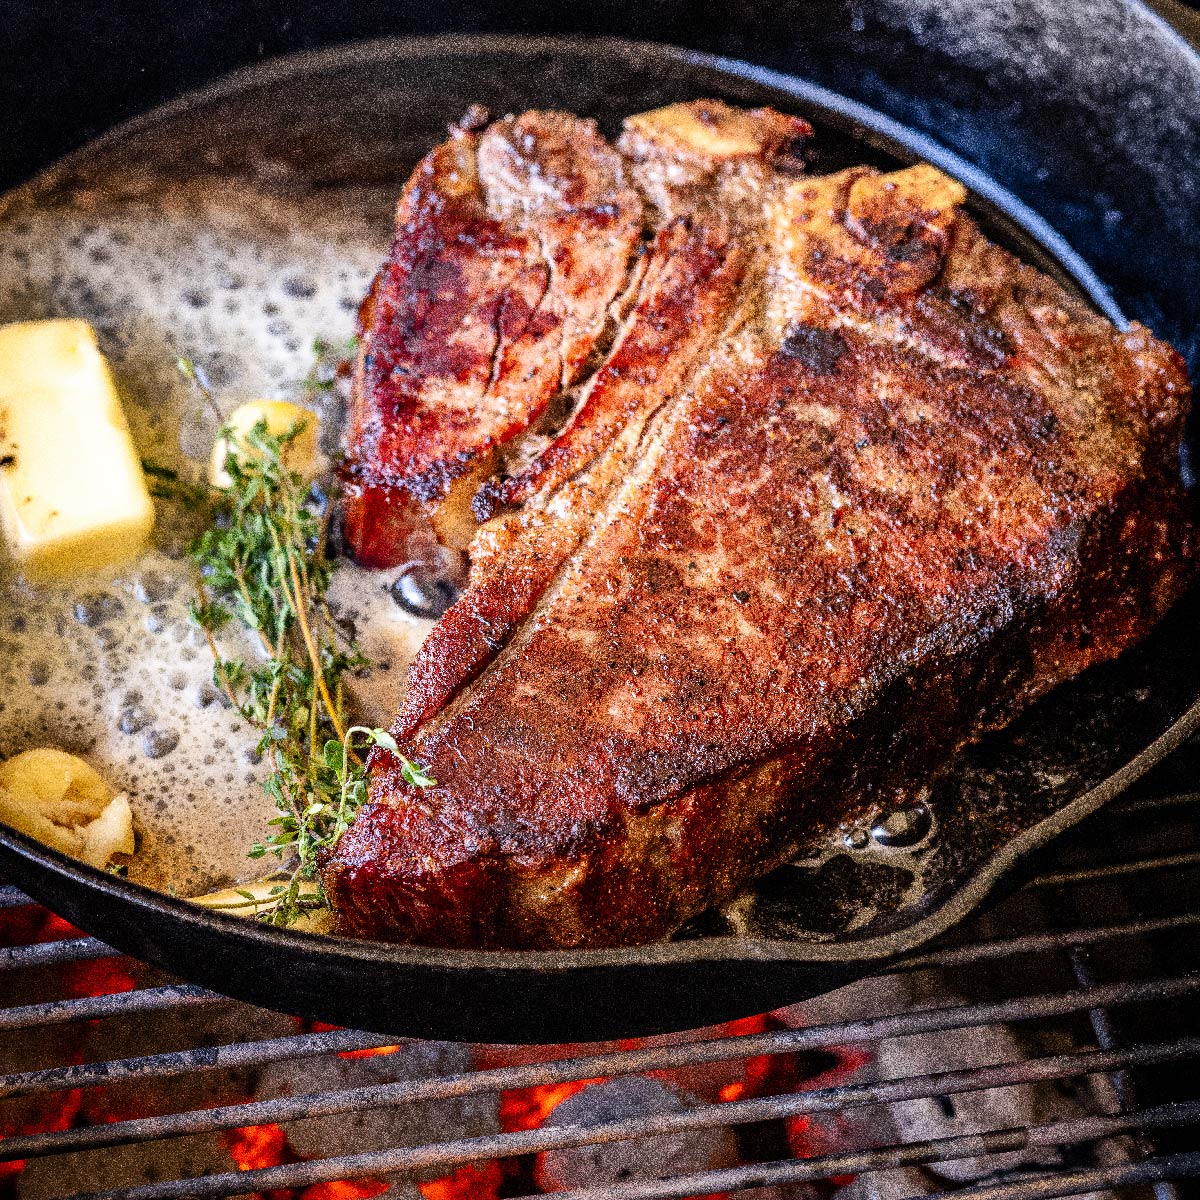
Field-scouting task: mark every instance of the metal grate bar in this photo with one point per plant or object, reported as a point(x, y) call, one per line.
point(1154, 803)
point(922, 1020)
point(1058, 1133)
point(12, 897)
point(110, 1004)
point(1078, 1183)
point(182, 1062)
point(738, 1112)
point(47, 954)
point(1031, 943)
point(1166, 862)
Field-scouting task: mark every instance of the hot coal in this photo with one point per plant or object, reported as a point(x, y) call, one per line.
point(378, 1128)
point(656, 1157)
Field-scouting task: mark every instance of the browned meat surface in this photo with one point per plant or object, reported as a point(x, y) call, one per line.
point(850, 486)
point(511, 249)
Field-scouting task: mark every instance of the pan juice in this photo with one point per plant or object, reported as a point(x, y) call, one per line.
point(241, 280)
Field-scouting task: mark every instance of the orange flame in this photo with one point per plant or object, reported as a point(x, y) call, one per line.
point(346, 1189)
point(255, 1146)
point(480, 1182)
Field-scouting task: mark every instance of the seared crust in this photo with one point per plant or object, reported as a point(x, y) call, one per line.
point(690, 288)
point(882, 488)
point(510, 247)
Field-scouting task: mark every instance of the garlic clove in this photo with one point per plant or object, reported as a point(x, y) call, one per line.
point(301, 454)
point(27, 818)
point(58, 784)
point(64, 802)
point(110, 833)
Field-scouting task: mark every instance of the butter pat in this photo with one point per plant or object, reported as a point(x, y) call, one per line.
point(300, 454)
point(72, 493)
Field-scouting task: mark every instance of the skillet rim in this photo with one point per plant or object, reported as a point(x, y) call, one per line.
point(50, 866)
point(728, 948)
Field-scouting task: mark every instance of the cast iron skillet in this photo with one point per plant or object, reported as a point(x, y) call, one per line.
point(807, 928)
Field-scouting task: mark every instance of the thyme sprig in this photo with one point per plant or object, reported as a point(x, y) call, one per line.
point(262, 565)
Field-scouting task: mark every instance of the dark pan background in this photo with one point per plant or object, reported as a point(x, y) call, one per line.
point(1094, 88)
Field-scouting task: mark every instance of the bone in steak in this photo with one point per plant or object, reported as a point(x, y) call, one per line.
point(840, 486)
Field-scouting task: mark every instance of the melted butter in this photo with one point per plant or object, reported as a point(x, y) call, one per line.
point(241, 280)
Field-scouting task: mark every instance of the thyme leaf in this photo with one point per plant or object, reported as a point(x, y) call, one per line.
point(262, 566)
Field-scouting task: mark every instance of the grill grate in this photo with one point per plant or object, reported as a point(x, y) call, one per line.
point(1081, 982)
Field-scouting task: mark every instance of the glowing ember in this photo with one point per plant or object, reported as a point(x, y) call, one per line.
point(30, 923)
point(63, 1109)
point(346, 1189)
point(528, 1108)
point(255, 1146)
point(371, 1052)
point(764, 1075)
point(809, 1138)
point(761, 1075)
point(262, 1146)
point(467, 1183)
point(24, 926)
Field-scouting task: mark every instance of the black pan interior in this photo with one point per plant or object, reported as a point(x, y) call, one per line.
point(360, 117)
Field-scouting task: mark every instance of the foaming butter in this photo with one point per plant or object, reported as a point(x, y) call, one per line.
point(109, 665)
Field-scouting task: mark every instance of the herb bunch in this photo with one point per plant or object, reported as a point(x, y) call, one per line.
point(262, 565)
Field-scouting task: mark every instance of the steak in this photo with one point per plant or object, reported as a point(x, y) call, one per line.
point(511, 250)
point(841, 485)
